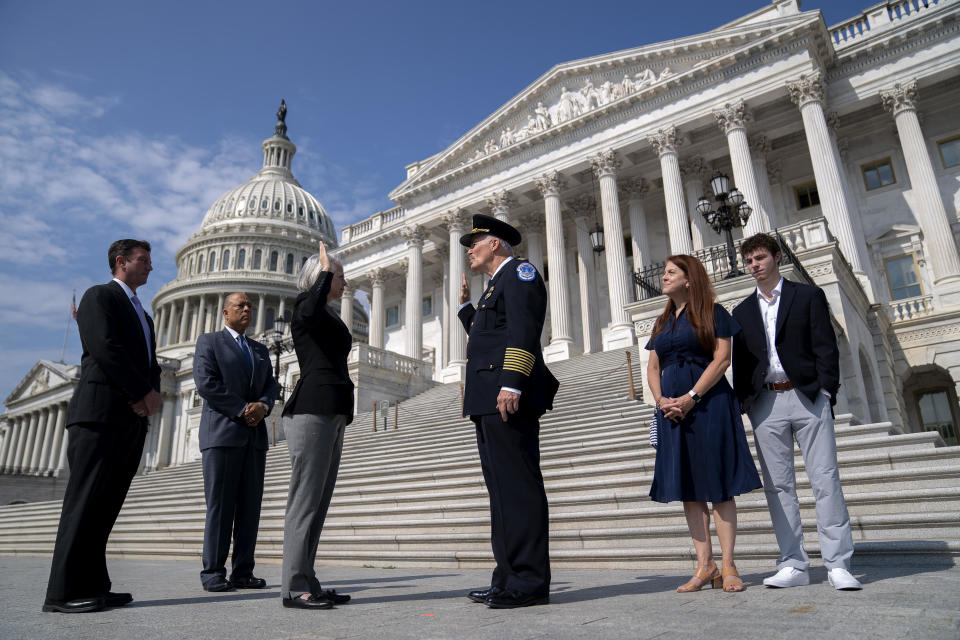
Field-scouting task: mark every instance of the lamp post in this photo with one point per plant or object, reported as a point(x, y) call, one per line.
point(278, 347)
point(726, 216)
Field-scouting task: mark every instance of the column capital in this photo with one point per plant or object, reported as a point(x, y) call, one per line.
point(694, 168)
point(902, 97)
point(500, 201)
point(414, 235)
point(455, 220)
point(550, 183)
point(377, 276)
point(635, 189)
point(404, 266)
point(759, 144)
point(583, 206)
point(348, 291)
point(665, 141)
point(605, 163)
point(806, 90)
point(775, 170)
point(731, 117)
point(532, 223)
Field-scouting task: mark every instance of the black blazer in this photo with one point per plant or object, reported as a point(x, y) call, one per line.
point(323, 343)
point(115, 370)
point(226, 384)
point(503, 345)
point(805, 342)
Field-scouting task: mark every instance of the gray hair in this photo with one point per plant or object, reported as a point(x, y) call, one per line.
point(505, 249)
point(312, 269)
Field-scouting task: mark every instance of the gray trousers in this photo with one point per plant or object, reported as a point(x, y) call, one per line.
point(778, 418)
point(315, 443)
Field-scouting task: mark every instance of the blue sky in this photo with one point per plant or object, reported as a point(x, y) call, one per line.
point(128, 119)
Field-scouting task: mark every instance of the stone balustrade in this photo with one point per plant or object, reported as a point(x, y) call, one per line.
point(910, 308)
point(363, 354)
point(879, 18)
point(377, 222)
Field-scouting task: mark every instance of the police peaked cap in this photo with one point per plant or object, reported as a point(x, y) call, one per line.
point(488, 225)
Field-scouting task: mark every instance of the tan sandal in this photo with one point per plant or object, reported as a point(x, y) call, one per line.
point(703, 575)
point(731, 580)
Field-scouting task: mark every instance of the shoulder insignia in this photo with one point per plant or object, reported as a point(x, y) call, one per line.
point(526, 271)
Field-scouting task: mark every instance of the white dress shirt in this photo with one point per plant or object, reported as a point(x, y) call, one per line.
point(768, 313)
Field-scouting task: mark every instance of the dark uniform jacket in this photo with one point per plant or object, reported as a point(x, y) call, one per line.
point(323, 343)
point(225, 382)
point(805, 341)
point(115, 368)
point(503, 344)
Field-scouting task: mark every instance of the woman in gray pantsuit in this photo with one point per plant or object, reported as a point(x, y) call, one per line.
point(314, 419)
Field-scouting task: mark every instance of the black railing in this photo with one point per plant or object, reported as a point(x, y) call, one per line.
point(648, 281)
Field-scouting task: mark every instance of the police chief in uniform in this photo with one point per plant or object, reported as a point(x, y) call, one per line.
point(508, 387)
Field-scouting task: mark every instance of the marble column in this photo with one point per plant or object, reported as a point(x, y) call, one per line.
point(184, 322)
point(807, 93)
point(665, 143)
point(10, 448)
point(168, 413)
point(26, 447)
point(261, 313)
point(413, 329)
point(499, 203)
point(215, 317)
point(455, 221)
point(694, 170)
point(620, 332)
point(346, 307)
point(47, 445)
point(931, 214)
point(532, 230)
point(59, 436)
point(377, 279)
point(561, 342)
point(36, 448)
point(582, 209)
point(759, 148)
point(732, 120)
point(62, 462)
point(634, 191)
point(201, 326)
point(171, 326)
point(160, 319)
point(282, 308)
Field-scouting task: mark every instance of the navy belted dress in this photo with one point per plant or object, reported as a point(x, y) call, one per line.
point(704, 457)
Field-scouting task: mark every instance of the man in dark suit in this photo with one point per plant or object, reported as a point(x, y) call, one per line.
point(786, 371)
point(508, 387)
point(119, 389)
point(234, 377)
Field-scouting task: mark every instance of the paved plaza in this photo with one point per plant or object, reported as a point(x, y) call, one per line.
point(901, 602)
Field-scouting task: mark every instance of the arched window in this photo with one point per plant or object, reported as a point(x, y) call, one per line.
point(225, 262)
point(268, 318)
point(193, 265)
point(264, 204)
point(276, 206)
point(274, 257)
point(212, 265)
point(303, 261)
point(289, 207)
point(242, 259)
point(288, 267)
point(257, 258)
point(253, 203)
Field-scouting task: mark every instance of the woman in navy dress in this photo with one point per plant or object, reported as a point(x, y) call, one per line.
point(702, 454)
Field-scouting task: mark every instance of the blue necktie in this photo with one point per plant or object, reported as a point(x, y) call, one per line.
point(246, 351)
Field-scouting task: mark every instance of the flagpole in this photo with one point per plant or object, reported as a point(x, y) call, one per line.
point(66, 330)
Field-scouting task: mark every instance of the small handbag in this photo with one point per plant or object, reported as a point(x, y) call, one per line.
point(654, 422)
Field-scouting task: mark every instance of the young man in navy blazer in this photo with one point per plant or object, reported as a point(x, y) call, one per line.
point(235, 380)
point(786, 372)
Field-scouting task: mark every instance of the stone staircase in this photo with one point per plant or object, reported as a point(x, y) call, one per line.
point(415, 496)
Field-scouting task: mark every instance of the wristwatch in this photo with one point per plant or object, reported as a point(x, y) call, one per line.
point(696, 396)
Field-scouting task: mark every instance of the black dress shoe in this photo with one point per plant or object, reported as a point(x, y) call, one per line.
point(80, 605)
point(510, 599)
point(218, 584)
point(112, 599)
point(333, 596)
point(248, 582)
point(482, 595)
point(312, 602)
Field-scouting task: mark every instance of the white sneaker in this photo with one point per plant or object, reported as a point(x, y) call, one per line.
point(842, 580)
point(788, 577)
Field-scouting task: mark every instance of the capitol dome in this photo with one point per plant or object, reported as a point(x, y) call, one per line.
point(253, 239)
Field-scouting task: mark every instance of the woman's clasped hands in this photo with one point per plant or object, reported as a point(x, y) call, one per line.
point(676, 409)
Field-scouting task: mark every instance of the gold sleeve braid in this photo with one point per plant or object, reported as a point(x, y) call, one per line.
point(518, 360)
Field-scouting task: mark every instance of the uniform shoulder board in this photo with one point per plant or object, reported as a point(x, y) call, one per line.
point(526, 271)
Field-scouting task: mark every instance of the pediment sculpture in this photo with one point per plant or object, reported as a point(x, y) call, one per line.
point(570, 105)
